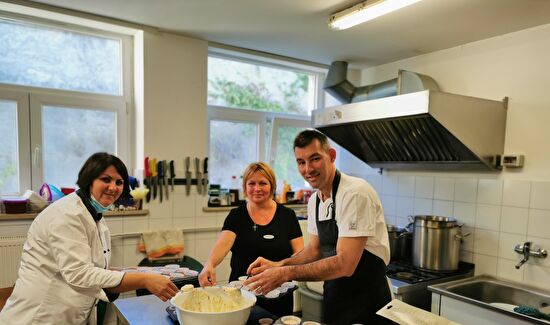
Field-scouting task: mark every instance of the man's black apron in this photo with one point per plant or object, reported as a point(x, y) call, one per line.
point(357, 298)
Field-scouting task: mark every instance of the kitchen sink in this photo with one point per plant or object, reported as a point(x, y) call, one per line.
point(491, 290)
point(495, 294)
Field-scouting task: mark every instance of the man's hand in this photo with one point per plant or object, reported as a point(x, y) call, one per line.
point(261, 264)
point(160, 286)
point(267, 280)
point(207, 277)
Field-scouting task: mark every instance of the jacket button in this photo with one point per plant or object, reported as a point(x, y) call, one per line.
point(104, 252)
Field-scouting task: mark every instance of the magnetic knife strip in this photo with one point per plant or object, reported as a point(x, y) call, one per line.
point(183, 181)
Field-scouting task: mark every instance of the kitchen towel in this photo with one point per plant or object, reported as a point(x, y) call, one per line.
point(161, 242)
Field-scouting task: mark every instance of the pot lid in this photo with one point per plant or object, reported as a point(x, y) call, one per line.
point(435, 221)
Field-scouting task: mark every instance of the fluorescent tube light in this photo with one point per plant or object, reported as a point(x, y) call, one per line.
point(365, 11)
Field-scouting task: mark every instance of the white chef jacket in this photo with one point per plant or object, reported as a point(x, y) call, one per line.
point(63, 268)
point(358, 213)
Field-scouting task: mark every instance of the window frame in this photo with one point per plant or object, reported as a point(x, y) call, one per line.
point(38, 101)
point(29, 148)
point(21, 99)
point(261, 118)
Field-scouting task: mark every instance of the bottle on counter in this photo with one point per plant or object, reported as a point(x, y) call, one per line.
point(234, 190)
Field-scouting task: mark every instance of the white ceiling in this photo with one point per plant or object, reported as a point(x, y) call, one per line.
point(298, 28)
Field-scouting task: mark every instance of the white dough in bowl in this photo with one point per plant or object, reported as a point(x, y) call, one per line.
point(213, 305)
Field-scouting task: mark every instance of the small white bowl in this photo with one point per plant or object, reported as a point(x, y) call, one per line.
point(290, 320)
point(273, 294)
point(265, 321)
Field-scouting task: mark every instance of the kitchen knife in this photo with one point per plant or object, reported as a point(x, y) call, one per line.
point(164, 180)
point(160, 173)
point(172, 174)
point(147, 175)
point(187, 176)
point(198, 174)
point(205, 175)
point(154, 174)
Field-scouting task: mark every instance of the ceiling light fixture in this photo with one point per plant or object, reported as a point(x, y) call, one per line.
point(365, 11)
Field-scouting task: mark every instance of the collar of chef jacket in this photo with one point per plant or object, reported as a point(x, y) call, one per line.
point(97, 216)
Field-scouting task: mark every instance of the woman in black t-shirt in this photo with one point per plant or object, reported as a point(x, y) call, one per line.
point(259, 227)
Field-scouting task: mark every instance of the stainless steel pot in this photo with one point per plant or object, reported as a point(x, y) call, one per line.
point(436, 243)
point(400, 242)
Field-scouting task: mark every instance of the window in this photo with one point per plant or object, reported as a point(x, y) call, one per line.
point(64, 93)
point(255, 111)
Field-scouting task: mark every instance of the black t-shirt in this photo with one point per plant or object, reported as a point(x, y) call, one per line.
point(271, 241)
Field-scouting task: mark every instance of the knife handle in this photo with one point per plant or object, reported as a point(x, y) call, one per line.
point(197, 165)
point(205, 165)
point(187, 163)
point(160, 170)
point(147, 170)
point(172, 173)
point(154, 167)
point(164, 168)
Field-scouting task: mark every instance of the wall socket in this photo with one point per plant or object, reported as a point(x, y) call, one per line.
point(512, 161)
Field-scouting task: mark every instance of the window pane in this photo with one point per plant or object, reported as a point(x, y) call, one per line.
point(285, 161)
point(246, 85)
point(70, 136)
point(233, 145)
point(51, 58)
point(9, 178)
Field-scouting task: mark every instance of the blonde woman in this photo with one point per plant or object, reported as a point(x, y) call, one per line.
point(260, 227)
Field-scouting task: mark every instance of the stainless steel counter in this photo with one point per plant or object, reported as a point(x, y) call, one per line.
point(142, 310)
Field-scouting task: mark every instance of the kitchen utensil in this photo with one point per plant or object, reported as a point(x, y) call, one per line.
point(172, 175)
point(160, 177)
point(187, 175)
point(236, 317)
point(67, 190)
point(14, 205)
point(436, 243)
point(205, 175)
point(502, 305)
point(400, 242)
point(147, 175)
point(164, 180)
point(50, 192)
point(139, 193)
point(198, 175)
point(154, 175)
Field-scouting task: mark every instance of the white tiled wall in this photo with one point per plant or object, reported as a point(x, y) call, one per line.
point(498, 214)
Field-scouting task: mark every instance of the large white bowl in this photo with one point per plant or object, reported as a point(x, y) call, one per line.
point(236, 317)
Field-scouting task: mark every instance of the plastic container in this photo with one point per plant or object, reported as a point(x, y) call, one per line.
point(67, 190)
point(15, 205)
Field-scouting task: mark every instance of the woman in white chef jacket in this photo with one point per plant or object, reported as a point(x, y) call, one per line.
point(64, 264)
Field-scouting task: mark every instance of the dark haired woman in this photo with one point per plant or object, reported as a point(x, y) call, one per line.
point(64, 264)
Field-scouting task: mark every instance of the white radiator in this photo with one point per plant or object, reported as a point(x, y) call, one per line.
point(10, 257)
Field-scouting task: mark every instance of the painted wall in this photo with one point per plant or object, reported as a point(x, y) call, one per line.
point(502, 210)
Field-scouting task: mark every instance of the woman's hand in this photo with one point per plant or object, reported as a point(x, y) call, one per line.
point(207, 277)
point(160, 286)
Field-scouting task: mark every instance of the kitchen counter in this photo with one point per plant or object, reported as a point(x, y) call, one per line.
point(149, 309)
point(31, 216)
point(142, 310)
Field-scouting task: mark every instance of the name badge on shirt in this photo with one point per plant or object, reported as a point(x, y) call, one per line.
point(269, 236)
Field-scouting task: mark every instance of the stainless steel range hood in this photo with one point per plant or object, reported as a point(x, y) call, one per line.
point(421, 130)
